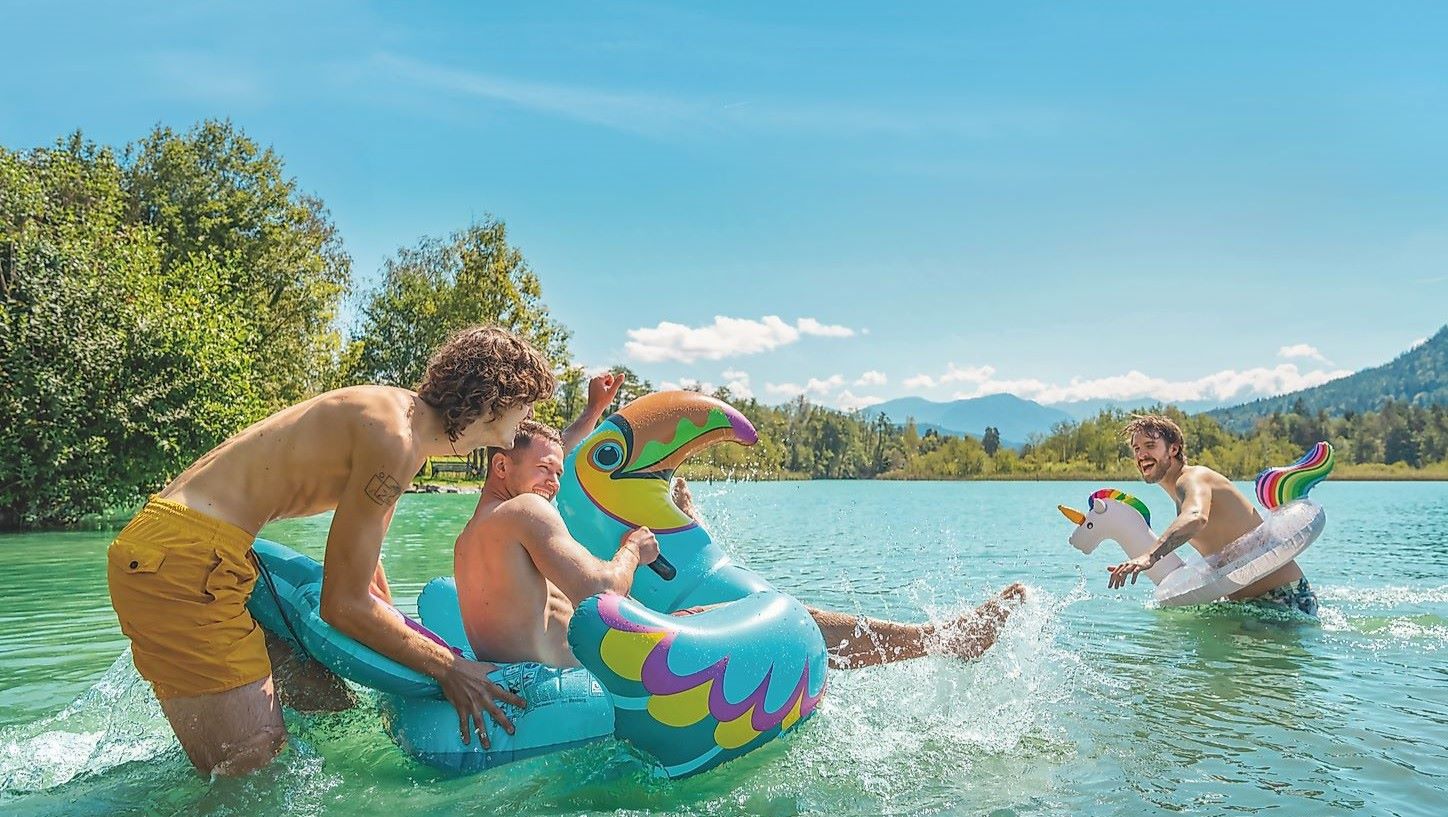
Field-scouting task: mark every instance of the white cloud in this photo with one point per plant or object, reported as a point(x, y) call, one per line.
point(737, 383)
point(688, 383)
point(849, 401)
point(920, 381)
point(872, 378)
point(726, 337)
point(815, 386)
point(1228, 384)
point(1302, 350)
point(952, 374)
point(810, 326)
point(970, 374)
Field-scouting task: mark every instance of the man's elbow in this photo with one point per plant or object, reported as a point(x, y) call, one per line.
point(607, 582)
point(342, 615)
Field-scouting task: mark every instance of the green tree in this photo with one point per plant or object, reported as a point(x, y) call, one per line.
point(910, 438)
point(116, 370)
point(430, 291)
point(991, 441)
point(213, 196)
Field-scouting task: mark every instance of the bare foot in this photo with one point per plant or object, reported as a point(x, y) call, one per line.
point(970, 635)
point(683, 499)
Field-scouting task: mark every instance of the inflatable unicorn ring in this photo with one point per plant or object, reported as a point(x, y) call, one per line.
point(1293, 523)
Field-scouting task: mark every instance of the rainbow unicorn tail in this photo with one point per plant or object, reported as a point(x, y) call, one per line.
point(1278, 486)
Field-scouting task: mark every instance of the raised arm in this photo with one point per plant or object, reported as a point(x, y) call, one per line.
point(568, 564)
point(602, 389)
point(350, 567)
point(1195, 508)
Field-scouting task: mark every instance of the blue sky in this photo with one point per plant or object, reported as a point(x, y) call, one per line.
point(1066, 201)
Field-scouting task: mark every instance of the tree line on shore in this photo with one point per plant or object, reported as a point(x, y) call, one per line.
point(159, 296)
point(806, 441)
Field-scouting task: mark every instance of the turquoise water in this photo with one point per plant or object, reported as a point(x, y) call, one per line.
point(1092, 703)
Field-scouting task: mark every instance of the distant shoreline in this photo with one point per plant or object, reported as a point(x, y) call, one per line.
point(475, 486)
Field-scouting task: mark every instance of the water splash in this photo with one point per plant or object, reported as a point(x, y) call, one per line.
point(1392, 596)
point(116, 721)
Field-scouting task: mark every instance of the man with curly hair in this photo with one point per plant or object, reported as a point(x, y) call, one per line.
point(1211, 514)
point(181, 571)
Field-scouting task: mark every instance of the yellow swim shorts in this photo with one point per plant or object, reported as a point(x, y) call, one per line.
point(179, 581)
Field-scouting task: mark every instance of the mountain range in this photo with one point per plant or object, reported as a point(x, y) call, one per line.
point(1419, 376)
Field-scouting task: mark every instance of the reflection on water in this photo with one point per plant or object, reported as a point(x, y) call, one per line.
point(1092, 701)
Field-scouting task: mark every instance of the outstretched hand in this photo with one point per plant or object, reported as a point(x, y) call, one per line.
point(602, 389)
point(1132, 568)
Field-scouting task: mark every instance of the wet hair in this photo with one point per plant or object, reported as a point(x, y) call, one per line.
point(481, 372)
point(528, 431)
point(1159, 427)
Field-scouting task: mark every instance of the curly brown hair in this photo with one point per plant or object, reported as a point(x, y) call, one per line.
point(481, 372)
point(1156, 425)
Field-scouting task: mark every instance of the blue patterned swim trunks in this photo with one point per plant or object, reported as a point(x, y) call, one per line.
point(1296, 595)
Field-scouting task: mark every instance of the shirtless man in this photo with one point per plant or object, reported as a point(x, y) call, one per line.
point(1211, 514)
point(520, 575)
point(181, 571)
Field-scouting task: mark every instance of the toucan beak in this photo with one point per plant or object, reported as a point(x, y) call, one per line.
point(1072, 514)
point(666, 428)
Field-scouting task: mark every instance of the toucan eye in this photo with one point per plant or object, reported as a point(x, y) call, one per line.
point(1090, 525)
point(607, 456)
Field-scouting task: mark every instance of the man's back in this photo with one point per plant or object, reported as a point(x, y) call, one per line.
point(509, 610)
point(297, 462)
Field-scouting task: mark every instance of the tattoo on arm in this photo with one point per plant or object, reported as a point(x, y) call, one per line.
point(382, 488)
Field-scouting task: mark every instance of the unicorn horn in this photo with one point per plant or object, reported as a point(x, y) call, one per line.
point(1072, 514)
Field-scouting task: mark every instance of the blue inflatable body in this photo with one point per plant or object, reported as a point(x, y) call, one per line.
point(692, 691)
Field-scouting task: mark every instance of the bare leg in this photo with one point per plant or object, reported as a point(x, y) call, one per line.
point(229, 733)
point(303, 684)
point(858, 641)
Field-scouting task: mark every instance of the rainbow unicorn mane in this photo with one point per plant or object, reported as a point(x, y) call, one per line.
point(1278, 486)
point(1125, 499)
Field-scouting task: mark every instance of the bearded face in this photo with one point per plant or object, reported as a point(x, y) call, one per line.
point(1153, 455)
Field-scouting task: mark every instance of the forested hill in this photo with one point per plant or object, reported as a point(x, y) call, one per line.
point(1417, 377)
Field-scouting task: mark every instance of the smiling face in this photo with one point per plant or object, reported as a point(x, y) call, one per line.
point(534, 468)
point(1153, 455)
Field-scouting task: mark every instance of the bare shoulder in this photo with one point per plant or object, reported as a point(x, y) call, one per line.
point(526, 509)
point(382, 412)
point(1202, 475)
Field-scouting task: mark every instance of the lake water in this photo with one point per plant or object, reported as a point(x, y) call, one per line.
point(1093, 702)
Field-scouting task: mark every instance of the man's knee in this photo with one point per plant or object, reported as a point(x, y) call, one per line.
point(252, 753)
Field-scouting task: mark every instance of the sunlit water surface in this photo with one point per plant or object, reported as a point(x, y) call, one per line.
point(1092, 703)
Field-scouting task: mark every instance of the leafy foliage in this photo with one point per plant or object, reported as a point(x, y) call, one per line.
point(440, 286)
point(213, 197)
point(114, 369)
